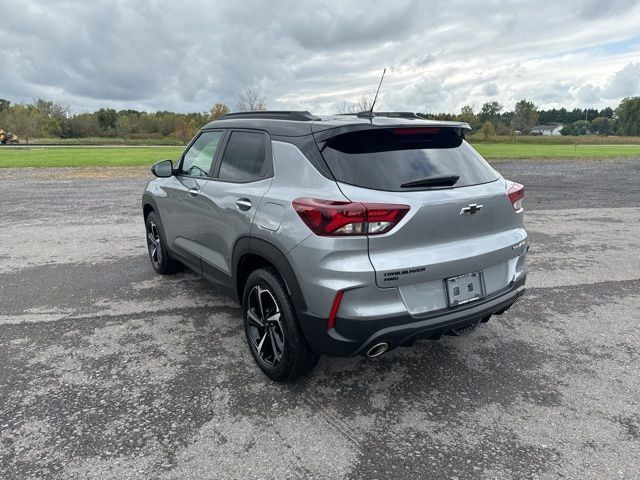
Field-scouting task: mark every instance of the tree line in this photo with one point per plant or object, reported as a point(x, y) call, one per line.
point(493, 119)
point(46, 118)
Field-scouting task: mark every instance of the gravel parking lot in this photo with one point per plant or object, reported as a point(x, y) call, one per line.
point(109, 371)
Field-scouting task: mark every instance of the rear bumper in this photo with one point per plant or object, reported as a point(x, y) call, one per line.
point(355, 336)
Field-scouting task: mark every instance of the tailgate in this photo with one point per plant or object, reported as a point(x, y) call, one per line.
point(435, 241)
point(460, 218)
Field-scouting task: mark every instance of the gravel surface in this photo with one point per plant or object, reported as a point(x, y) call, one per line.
point(109, 371)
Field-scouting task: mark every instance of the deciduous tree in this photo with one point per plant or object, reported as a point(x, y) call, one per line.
point(347, 107)
point(25, 121)
point(629, 116)
point(525, 116)
point(490, 112)
point(57, 116)
point(107, 118)
point(487, 130)
point(184, 131)
point(252, 100)
point(217, 110)
point(364, 102)
point(124, 126)
point(602, 125)
point(467, 115)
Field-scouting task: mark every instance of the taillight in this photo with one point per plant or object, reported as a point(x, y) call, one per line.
point(338, 218)
point(516, 196)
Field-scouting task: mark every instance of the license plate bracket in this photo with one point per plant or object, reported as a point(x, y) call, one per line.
point(464, 288)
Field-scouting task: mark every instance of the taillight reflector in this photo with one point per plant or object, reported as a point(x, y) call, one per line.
point(340, 218)
point(334, 311)
point(516, 196)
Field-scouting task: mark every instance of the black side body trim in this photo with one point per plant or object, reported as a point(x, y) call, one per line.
point(271, 253)
point(147, 199)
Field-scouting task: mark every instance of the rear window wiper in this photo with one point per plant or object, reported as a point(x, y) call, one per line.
point(442, 181)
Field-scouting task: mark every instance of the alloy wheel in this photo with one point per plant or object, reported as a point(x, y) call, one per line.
point(265, 327)
point(153, 244)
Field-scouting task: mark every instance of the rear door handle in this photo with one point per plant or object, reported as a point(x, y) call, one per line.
point(243, 204)
point(193, 192)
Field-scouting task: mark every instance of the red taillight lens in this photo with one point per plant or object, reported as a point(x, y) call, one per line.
point(516, 196)
point(337, 218)
point(382, 217)
point(326, 217)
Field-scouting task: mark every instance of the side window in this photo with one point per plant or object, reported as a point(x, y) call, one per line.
point(244, 158)
point(197, 160)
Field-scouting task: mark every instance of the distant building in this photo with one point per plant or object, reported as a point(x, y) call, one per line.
point(553, 129)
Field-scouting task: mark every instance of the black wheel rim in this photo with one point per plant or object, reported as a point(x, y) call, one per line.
point(265, 326)
point(153, 244)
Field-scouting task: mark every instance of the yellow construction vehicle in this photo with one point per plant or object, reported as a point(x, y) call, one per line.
point(7, 137)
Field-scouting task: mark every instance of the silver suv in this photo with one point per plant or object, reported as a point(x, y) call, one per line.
point(343, 235)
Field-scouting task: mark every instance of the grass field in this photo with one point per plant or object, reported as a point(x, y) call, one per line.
point(85, 157)
point(477, 137)
point(492, 151)
point(149, 140)
point(141, 156)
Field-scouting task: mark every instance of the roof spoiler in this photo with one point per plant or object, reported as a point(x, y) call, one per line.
point(459, 128)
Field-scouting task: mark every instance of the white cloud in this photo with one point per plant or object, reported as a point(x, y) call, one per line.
point(624, 83)
point(440, 55)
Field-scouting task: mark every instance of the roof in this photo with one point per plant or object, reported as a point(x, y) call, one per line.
point(296, 124)
point(547, 127)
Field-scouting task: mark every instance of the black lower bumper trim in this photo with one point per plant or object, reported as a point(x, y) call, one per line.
point(355, 337)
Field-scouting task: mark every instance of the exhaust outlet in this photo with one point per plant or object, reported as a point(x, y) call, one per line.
point(377, 350)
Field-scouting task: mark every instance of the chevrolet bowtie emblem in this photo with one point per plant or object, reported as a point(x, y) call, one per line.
point(471, 209)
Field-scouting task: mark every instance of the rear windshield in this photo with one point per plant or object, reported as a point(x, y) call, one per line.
point(385, 159)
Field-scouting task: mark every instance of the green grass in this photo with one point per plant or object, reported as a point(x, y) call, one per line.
point(85, 157)
point(478, 137)
point(150, 140)
point(509, 150)
point(146, 156)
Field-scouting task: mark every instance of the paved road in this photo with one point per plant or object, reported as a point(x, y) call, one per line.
point(109, 371)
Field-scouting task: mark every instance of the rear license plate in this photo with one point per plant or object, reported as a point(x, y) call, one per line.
point(464, 288)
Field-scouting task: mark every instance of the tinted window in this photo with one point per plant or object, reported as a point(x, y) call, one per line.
point(244, 158)
point(384, 159)
point(197, 160)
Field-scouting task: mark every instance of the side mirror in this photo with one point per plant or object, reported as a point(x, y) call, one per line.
point(162, 169)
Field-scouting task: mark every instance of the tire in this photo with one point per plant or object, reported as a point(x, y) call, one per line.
point(271, 326)
point(161, 262)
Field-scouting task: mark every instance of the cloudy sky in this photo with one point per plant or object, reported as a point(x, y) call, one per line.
point(440, 55)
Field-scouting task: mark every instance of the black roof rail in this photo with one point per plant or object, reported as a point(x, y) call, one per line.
point(368, 114)
point(397, 114)
point(301, 116)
